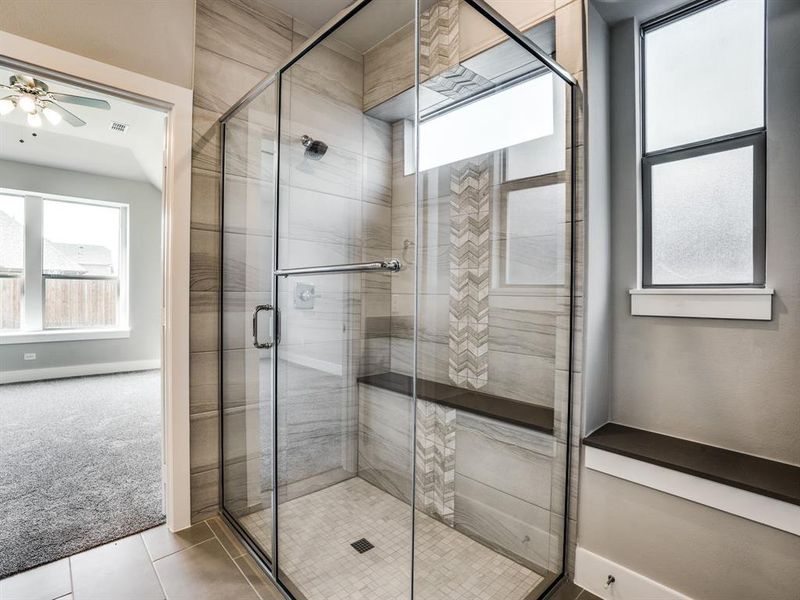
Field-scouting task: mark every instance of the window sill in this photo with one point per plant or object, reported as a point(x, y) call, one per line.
point(71, 335)
point(708, 303)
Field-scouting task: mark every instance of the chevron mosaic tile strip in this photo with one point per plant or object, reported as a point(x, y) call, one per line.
point(438, 37)
point(468, 340)
point(435, 460)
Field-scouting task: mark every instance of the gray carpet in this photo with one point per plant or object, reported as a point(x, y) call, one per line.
point(80, 465)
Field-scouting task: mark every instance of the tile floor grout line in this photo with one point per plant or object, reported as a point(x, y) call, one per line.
point(247, 579)
point(233, 560)
point(154, 561)
point(221, 543)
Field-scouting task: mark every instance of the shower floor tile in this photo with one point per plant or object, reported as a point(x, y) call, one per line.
point(316, 532)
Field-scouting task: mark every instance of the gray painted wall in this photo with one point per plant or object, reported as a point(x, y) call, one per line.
point(597, 323)
point(144, 201)
point(728, 383)
point(152, 37)
point(702, 552)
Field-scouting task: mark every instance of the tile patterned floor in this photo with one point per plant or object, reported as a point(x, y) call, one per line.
point(202, 562)
point(317, 530)
point(207, 562)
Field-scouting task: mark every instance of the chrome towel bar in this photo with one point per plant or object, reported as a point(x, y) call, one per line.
point(392, 265)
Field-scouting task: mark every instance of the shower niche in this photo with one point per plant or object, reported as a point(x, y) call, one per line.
point(397, 307)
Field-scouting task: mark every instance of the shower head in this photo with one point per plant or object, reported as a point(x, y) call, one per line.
point(315, 149)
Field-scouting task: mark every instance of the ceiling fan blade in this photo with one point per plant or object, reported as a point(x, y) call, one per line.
point(70, 118)
point(81, 100)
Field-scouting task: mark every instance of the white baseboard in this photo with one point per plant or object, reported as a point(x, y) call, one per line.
point(592, 571)
point(742, 503)
point(78, 370)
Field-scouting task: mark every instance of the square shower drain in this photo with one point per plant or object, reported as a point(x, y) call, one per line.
point(362, 545)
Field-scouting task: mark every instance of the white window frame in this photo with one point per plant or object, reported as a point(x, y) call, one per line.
point(31, 320)
point(752, 302)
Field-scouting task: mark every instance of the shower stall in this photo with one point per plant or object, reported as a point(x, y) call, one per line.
point(398, 267)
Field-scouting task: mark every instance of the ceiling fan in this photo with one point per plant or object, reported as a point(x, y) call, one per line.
point(34, 97)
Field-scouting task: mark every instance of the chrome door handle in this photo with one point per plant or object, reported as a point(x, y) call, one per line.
point(256, 343)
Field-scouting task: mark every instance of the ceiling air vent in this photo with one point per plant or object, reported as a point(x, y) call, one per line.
point(119, 127)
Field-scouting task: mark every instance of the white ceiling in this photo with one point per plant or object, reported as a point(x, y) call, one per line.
point(93, 148)
point(372, 24)
point(311, 12)
point(614, 11)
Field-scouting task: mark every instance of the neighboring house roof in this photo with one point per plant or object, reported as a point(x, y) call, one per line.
point(93, 259)
point(11, 252)
point(59, 258)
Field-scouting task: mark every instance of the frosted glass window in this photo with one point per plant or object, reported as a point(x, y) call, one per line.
point(702, 219)
point(511, 116)
point(534, 237)
point(704, 75)
point(545, 154)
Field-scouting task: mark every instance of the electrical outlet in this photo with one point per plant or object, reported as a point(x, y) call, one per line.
point(29, 356)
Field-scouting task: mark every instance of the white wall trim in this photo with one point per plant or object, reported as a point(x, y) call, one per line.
point(711, 303)
point(66, 335)
point(78, 370)
point(177, 202)
point(592, 571)
point(742, 503)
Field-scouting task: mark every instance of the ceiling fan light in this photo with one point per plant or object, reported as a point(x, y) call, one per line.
point(34, 119)
point(27, 103)
point(52, 116)
point(6, 106)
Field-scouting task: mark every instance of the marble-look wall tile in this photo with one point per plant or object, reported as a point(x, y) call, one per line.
point(205, 494)
point(385, 436)
point(204, 381)
point(377, 139)
point(204, 261)
point(389, 67)
point(204, 441)
point(249, 206)
point(521, 331)
point(205, 139)
point(502, 456)
point(377, 182)
point(508, 525)
point(223, 26)
point(476, 33)
point(247, 262)
point(237, 43)
point(330, 74)
point(376, 355)
point(569, 36)
point(521, 377)
point(205, 200)
point(220, 81)
point(338, 174)
point(203, 321)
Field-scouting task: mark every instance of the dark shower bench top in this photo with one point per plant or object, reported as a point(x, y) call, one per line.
point(532, 416)
point(744, 471)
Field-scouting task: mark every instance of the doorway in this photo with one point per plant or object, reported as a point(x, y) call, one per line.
point(81, 297)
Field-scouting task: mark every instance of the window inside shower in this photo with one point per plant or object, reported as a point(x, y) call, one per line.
point(397, 318)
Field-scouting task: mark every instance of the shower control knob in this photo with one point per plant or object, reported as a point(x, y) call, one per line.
point(304, 296)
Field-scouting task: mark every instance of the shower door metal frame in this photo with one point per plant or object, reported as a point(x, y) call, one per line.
point(271, 564)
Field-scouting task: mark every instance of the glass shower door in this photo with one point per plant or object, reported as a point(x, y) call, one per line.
point(246, 312)
point(341, 534)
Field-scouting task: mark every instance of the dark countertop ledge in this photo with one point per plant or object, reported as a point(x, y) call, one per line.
point(759, 475)
point(532, 416)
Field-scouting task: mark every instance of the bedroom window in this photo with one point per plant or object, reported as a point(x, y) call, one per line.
point(65, 268)
point(703, 166)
